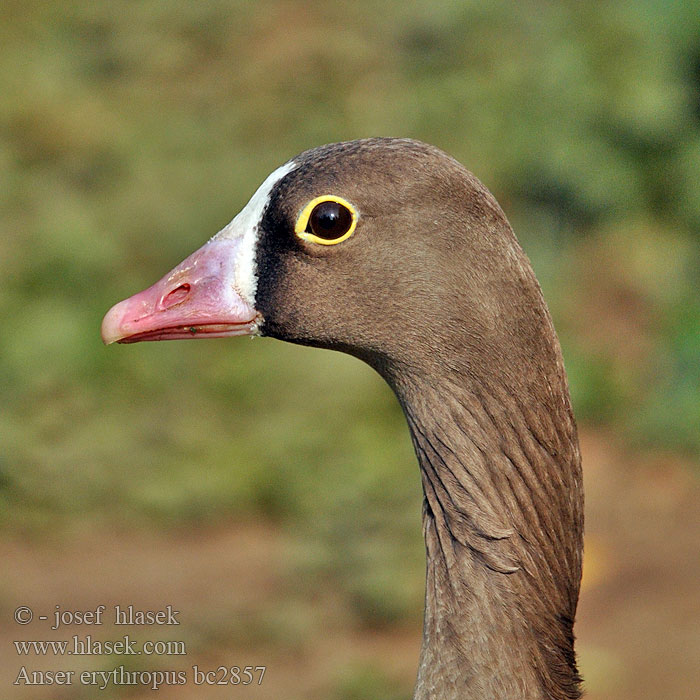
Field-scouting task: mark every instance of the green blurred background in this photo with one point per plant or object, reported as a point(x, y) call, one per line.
point(271, 491)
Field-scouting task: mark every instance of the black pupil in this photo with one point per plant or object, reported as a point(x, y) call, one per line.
point(329, 220)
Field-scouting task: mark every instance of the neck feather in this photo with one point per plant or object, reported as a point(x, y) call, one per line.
point(502, 521)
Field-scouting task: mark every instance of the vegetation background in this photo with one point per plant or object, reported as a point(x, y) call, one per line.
point(269, 492)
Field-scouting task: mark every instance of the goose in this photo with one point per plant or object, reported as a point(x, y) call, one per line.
point(390, 250)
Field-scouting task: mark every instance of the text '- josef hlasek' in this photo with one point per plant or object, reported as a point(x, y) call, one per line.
point(120, 615)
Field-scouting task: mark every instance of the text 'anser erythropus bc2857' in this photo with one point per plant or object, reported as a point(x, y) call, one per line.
point(390, 250)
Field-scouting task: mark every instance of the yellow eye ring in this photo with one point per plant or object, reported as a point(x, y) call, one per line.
point(341, 219)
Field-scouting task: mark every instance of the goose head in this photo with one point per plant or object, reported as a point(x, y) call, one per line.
point(390, 250)
point(385, 248)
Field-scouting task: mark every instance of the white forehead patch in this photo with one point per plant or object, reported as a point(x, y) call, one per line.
point(245, 226)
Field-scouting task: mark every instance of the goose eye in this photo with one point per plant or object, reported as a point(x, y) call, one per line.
point(329, 220)
point(326, 220)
